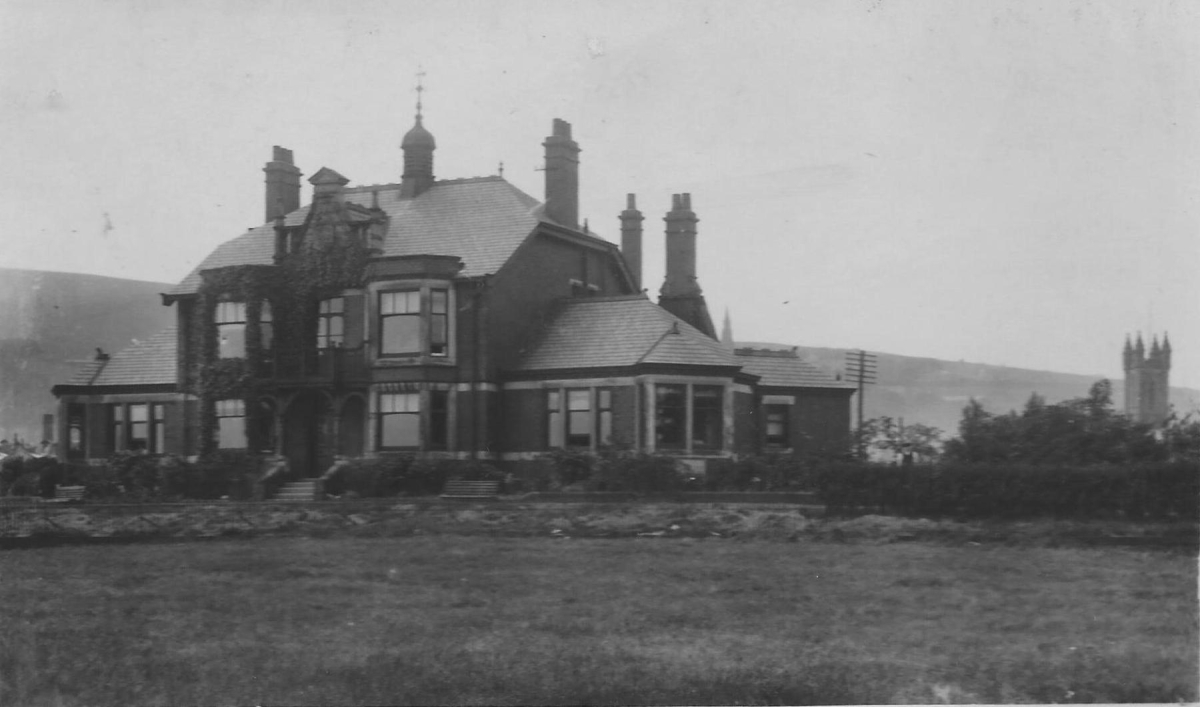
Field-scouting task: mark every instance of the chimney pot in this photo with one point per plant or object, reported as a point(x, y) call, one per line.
point(283, 183)
point(562, 175)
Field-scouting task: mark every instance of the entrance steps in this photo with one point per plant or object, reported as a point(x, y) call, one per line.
point(300, 491)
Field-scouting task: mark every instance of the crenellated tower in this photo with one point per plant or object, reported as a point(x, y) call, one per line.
point(1147, 390)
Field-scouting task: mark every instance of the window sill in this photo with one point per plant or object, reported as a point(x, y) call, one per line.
point(415, 360)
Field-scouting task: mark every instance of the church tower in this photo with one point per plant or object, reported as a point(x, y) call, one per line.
point(1147, 389)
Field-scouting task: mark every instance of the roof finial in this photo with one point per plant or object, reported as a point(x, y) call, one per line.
point(501, 168)
point(420, 90)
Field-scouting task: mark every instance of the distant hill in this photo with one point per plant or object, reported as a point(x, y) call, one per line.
point(52, 322)
point(933, 392)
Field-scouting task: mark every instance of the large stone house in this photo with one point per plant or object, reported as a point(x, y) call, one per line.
point(456, 318)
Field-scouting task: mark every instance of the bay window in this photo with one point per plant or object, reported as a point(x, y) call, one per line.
point(670, 416)
point(399, 420)
point(400, 323)
point(415, 322)
point(689, 417)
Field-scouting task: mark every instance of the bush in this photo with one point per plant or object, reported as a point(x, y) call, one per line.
point(406, 475)
point(29, 476)
point(223, 473)
point(1147, 491)
point(768, 472)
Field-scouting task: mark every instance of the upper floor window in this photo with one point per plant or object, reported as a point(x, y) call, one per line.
point(400, 322)
point(231, 329)
point(414, 322)
point(439, 330)
point(331, 323)
point(266, 325)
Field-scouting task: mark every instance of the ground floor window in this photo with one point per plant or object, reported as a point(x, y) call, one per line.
point(231, 424)
point(777, 425)
point(689, 417)
point(400, 420)
point(579, 417)
point(439, 419)
point(670, 416)
point(76, 428)
point(137, 427)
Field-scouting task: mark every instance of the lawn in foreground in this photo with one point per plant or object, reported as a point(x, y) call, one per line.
point(456, 620)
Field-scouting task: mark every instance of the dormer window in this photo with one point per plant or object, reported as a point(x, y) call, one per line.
point(231, 329)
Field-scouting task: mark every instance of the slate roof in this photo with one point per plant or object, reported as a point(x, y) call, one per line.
point(481, 220)
point(785, 369)
point(603, 332)
point(149, 362)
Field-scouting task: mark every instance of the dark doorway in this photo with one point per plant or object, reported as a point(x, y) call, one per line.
point(352, 428)
point(306, 433)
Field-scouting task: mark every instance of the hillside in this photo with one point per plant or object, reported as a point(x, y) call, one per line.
point(51, 323)
point(933, 392)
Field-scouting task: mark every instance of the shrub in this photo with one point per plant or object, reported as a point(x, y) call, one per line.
point(28, 476)
point(407, 475)
point(223, 473)
point(620, 471)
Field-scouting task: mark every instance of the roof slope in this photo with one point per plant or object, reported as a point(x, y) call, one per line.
point(603, 332)
point(785, 369)
point(480, 220)
point(149, 362)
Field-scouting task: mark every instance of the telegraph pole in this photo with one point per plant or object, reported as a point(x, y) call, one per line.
point(861, 368)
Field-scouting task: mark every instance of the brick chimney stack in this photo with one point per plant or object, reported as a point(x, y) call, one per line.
point(283, 184)
point(680, 294)
point(562, 175)
point(631, 238)
point(681, 248)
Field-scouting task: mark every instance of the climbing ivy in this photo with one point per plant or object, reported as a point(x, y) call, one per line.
point(332, 259)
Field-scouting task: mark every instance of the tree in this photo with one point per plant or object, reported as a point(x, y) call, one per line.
point(1079, 431)
point(908, 443)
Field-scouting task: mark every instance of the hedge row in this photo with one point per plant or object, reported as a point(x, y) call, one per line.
point(405, 475)
point(977, 491)
point(134, 477)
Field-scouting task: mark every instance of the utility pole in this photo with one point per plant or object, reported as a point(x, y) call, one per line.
point(861, 368)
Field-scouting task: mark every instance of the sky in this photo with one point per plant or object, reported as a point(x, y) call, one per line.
point(1014, 183)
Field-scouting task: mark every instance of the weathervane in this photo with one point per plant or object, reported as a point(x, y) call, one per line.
point(420, 89)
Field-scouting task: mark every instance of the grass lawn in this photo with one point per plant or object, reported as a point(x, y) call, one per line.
point(455, 619)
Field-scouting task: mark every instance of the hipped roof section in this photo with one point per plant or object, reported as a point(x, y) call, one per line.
point(148, 362)
point(481, 220)
point(605, 332)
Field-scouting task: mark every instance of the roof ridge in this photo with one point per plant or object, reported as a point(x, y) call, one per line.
point(671, 329)
point(469, 180)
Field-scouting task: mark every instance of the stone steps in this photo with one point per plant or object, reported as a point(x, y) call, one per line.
point(296, 491)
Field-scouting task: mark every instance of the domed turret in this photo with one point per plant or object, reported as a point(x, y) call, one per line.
point(418, 145)
point(418, 137)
